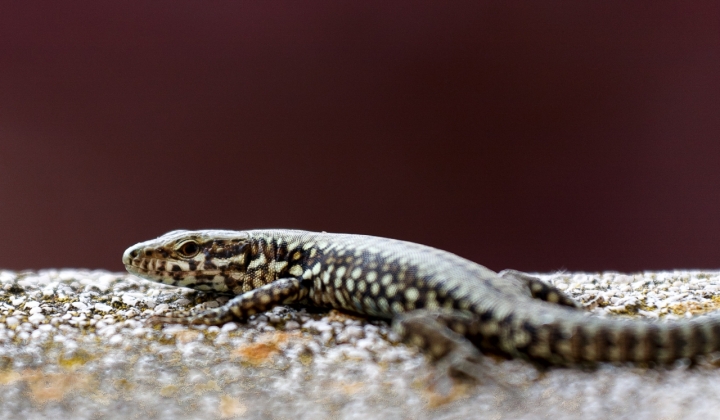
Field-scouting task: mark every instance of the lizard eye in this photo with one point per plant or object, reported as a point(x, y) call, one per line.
point(189, 249)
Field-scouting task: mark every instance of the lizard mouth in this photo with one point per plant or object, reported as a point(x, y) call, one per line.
point(204, 280)
point(161, 275)
point(142, 272)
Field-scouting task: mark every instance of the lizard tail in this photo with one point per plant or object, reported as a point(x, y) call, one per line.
point(565, 336)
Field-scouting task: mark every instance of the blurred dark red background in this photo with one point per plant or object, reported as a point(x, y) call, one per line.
point(532, 135)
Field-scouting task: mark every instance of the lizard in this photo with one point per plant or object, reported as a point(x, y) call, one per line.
point(450, 307)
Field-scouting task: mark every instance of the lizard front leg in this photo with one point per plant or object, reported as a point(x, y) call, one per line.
point(279, 292)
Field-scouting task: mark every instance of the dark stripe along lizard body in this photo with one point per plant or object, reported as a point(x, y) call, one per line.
point(437, 300)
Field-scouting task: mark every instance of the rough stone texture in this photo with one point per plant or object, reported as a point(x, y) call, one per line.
point(74, 343)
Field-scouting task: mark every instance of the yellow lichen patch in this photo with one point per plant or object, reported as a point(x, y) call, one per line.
point(186, 336)
point(169, 390)
point(53, 386)
point(351, 388)
point(231, 407)
point(436, 399)
point(77, 359)
point(281, 337)
point(264, 348)
point(336, 316)
point(695, 308)
point(206, 387)
point(256, 353)
point(306, 359)
point(123, 385)
point(9, 377)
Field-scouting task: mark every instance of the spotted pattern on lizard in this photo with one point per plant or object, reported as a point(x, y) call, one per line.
point(441, 302)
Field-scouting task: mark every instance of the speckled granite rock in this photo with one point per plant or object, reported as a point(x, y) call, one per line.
point(73, 343)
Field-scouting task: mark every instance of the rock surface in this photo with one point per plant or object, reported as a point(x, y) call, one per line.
point(74, 343)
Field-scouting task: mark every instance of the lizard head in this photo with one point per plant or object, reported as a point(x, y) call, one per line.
point(197, 259)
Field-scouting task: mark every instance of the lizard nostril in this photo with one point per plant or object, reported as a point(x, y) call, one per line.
point(129, 255)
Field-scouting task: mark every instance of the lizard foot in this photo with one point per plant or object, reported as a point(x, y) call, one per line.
point(453, 354)
point(210, 317)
